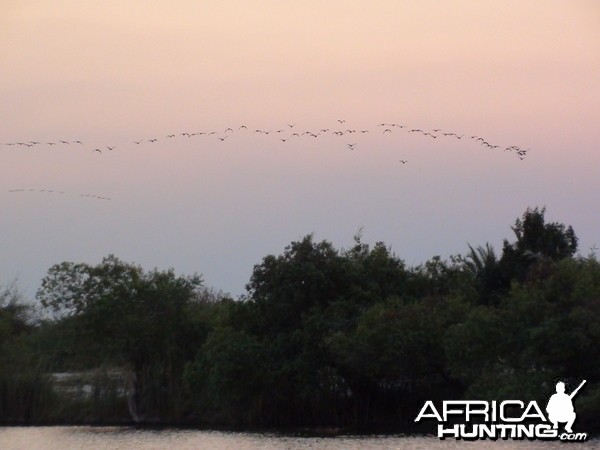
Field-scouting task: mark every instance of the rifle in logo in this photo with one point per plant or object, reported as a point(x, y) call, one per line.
point(560, 407)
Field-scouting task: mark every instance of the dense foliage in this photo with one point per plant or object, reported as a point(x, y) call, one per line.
point(324, 337)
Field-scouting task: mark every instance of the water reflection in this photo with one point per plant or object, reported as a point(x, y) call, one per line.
point(126, 438)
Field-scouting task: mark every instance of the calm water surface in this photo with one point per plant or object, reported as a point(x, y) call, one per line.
point(125, 438)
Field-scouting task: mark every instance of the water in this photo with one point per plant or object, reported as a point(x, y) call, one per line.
point(126, 438)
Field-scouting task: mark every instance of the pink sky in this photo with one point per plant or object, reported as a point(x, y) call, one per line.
point(521, 73)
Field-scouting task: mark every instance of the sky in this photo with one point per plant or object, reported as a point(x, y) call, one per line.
point(153, 79)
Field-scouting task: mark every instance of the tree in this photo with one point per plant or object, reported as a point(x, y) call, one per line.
point(129, 318)
point(483, 263)
point(229, 378)
point(537, 241)
point(25, 392)
point(285, 288)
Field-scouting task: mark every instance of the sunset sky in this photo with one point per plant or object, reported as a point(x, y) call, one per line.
point(112, 73)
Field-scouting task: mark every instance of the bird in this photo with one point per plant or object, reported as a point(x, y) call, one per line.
point(110, 148)
point(98, 150)
point(403, 161)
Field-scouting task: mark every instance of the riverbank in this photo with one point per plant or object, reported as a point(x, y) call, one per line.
point(134, 438)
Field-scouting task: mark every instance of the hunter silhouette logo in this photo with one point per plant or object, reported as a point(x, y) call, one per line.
point(560, 407)
point(507, 419)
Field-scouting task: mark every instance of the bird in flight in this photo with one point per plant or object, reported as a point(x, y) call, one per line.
point(403, 161)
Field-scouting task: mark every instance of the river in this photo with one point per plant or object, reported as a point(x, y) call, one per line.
point(127, 438)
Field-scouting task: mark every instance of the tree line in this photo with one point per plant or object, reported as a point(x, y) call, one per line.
point(324, 337)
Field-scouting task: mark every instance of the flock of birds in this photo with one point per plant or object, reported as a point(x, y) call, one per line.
point(284, 134)
point(290, 132)
point(51, 191)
